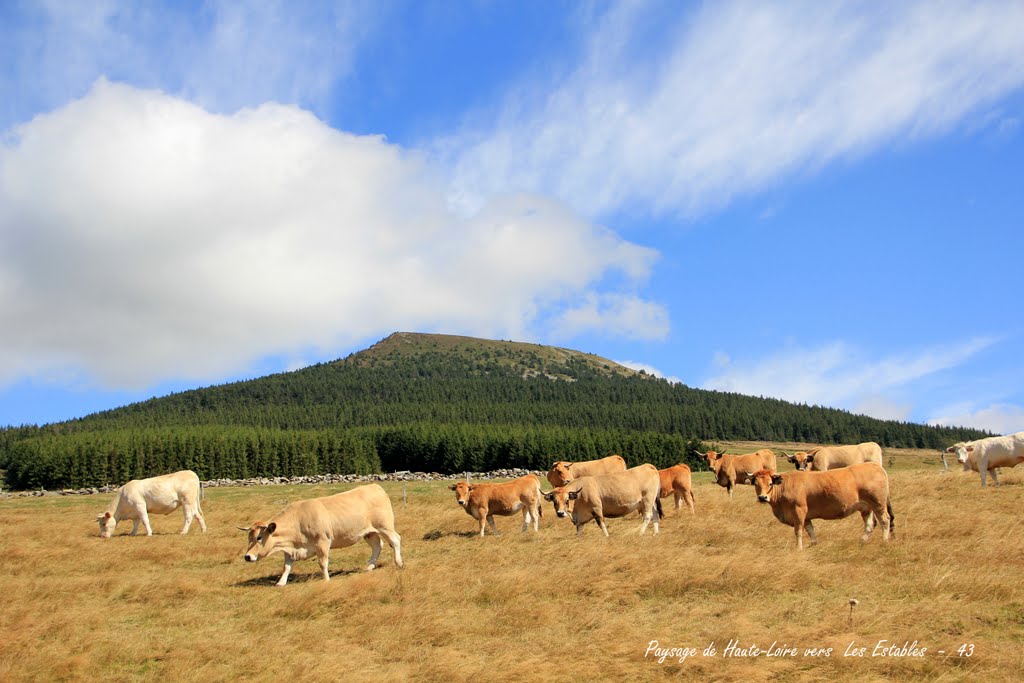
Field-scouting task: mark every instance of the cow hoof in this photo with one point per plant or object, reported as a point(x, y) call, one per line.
point(370, 567)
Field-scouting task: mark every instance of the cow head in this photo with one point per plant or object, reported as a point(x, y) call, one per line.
point(560, 473)
point(562, 498)
point(763, 482)
point(963, 452)
point(799, 459)
point(261, 540)
point(462, 491)
point(714, 460)
point(107, 523)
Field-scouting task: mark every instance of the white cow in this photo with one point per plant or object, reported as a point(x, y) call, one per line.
point(985, 455)
point(157, 495)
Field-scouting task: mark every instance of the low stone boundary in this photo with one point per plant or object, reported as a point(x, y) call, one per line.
point(311, 479)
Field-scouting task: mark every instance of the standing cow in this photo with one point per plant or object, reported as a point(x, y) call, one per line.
point(985, 455)
point(315, 526)
point(483, 501)
point(161, 495)
point(737, 469)
point(825, 458)
point(676, 480)
point(796, 498)
point(565, 471)
point(610, 495)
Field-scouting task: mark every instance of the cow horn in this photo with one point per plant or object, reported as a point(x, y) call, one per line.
point(242, 528)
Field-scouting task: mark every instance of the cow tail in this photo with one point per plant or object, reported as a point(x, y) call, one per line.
point(202, 490)
point(657, 506)
point(892, 517)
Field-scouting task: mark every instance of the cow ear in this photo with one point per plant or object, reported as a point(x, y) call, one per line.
point(107, 515)
point(970, 449)
point(776, 479)
point(271, 527)
point(548, 496)
point(573, 495)
point(810, 457)
point(718, 456)
point(452, 487)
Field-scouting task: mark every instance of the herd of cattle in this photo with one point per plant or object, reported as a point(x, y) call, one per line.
point(829, 483)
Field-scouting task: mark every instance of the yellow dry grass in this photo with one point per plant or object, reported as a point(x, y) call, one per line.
point(520, 606)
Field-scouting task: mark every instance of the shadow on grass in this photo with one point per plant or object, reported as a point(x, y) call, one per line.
point(294, 578)
point(436, 534)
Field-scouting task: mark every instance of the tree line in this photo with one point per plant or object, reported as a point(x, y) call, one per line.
point(445, 412)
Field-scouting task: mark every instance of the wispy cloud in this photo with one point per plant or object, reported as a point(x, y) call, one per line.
point(1000, 418)
point(649, 369)
point(225, 56)
point(731, 98)
point(840, 375)
point(143, 237)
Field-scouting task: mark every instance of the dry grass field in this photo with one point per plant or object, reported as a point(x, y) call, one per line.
point(518, 606)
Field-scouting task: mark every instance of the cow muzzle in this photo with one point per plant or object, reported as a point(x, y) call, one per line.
point(560, 513)
point(250, 558)
point(762, 498)
point(462, 503)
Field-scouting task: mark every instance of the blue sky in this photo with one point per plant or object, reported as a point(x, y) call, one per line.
point(819, 203)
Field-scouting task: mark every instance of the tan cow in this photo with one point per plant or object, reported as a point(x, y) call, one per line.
point(317, 525)
point(985, 455)
point(161, 495)
point(797, 498)
point(737, 469)
point(610, 495)
point(483, 501)
point(825, 458)
point(676, 480)
point(565, 471)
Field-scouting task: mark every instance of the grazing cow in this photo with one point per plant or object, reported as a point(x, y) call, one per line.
point(799, 497)
point(737, 469)
point(985, 455)
point(564, 471)
point(317, 525)
point(676, 480)
point(483, 501)
point(825, 458)
point(610, 495)
point(161, 495)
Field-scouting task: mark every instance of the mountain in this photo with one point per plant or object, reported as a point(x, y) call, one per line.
point(426, 402)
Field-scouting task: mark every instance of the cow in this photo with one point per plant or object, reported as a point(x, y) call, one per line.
point(737, 469)
point(564, 471)
point(161, 495)
point(825, 458)
point(676, 480)
point(317, 525)
point(796, 498)
point(483, 501)
point(610, 495)
point(985, 455)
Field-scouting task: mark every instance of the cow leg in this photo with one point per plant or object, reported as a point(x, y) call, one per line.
point(490, 520)
point(189, 514)
point(601, 523)
point(145, 522)
point(200, 518)
point(323, 554)
point(287, 570)
point(375, 545)
point(810, 532)
point(689, 501)
point(798, 527)
point(483, 523)
point(679, 499)
point(135, 526)
point(995, 477)
point(729, 489)
point(395, 541)
point(526, 520)
point(536, 515)
point(869, 524)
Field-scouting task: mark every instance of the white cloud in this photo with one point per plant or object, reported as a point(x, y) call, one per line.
point(839, 375)
point(1000, 418)
point(225, 56)
point(143, 237)
point(735, 96)
point(649, 369)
